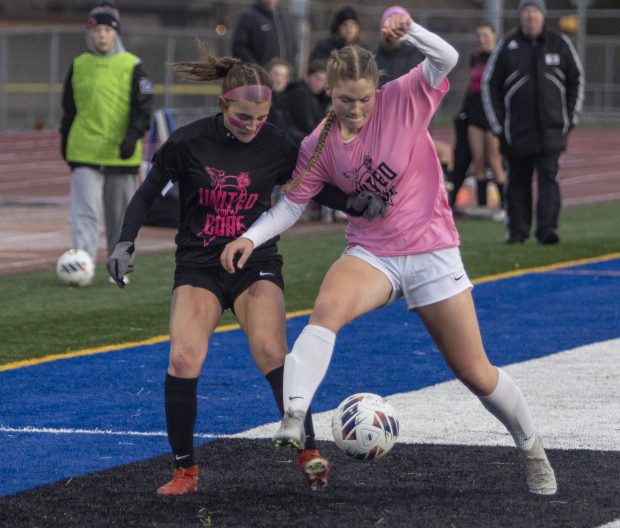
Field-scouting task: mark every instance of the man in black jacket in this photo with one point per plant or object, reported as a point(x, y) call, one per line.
point(532, 91)
point(262, 33)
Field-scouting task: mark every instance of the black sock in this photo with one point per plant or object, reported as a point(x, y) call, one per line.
point(481, 189)
point(181, 408)
point(500, 190)
point(276, 380)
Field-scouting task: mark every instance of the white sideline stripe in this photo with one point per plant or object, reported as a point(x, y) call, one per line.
point(573, 395)
point(612, 524)
point(105, 432)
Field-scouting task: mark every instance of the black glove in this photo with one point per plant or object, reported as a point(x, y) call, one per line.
point(366, 204)
point(119, 262)
point(63, 147)
point(128, 146)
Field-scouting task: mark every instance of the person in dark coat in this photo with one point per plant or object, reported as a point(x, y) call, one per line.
point(307, 101)
point(395, 57)
point(532, 92)
point(281, 73)
point(263, 32)
point(345, 29)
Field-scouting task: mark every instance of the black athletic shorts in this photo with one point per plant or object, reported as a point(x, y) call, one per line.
point(475, 113)
point(228, 286)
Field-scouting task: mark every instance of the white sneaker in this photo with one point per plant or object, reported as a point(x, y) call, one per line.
point(292, 432)
point(499, 215)
point(125, 280)
point(538, 471)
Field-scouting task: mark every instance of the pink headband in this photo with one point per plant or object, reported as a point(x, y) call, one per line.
point(257, 93)
point(394, 10)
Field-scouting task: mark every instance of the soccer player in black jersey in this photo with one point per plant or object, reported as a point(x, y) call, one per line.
point(226, 166)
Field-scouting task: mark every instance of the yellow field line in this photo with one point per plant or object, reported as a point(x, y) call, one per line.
point(111, 348)
point(226, 328)
point(549, 267)
point(158, 89)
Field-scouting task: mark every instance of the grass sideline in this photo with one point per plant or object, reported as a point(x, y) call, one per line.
point(40, 317)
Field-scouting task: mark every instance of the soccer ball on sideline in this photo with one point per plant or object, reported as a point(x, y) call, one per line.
point(365, 426)
point(75, 268)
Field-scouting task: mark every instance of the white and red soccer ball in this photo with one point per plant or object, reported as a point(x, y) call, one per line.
point(365, 426)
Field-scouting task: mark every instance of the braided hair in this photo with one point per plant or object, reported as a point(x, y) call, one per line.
point(350, 63)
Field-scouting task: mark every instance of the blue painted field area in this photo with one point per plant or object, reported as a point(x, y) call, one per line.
point(75, 416)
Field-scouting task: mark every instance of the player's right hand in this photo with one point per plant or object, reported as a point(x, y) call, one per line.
point(119, 262)
point(396, 26)
point(242, 246)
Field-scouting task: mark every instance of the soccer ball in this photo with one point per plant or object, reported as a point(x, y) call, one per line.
point(365, 426)
point(75, 268)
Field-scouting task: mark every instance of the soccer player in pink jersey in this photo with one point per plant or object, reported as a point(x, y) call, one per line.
point(378, 140)
point(226, 166)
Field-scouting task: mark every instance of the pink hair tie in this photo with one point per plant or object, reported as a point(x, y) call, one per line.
point(257, 93)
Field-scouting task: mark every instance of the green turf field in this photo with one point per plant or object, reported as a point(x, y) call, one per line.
point(40, 317)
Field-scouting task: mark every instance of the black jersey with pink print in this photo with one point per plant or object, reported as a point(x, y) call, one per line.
point(224, 186)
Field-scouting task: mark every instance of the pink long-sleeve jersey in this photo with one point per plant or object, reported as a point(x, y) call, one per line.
point(394, 156)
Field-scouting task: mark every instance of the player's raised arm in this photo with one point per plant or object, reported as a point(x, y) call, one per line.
point(441, 57)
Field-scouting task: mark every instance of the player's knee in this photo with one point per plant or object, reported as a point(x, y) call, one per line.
point(269, 353)
point(186, 360)
point(330, 314)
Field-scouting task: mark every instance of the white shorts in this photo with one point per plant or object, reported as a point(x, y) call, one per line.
point(422, 279)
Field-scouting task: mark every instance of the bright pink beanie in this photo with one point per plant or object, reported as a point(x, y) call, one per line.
point(392, 11)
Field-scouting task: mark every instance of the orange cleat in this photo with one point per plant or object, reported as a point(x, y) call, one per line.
point(314, 467)
point(184, 481)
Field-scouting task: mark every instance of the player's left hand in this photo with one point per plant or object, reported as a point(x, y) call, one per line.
point(367, 204)
point(119, 262)
point(396, 26)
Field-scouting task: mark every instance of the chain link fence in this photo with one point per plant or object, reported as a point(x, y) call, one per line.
point(34, 62)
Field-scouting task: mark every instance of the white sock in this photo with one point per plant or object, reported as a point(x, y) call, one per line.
point(306, 365)
point(508, 405)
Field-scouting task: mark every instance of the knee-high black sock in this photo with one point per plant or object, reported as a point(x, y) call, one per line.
point(500, 190)
point(181, 408)
point(276, 380)
point(481, 188)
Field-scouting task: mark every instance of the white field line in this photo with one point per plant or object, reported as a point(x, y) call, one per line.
point(102, 432)
point(573, 395)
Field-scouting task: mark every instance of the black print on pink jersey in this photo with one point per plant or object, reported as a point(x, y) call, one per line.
point(377, 179)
